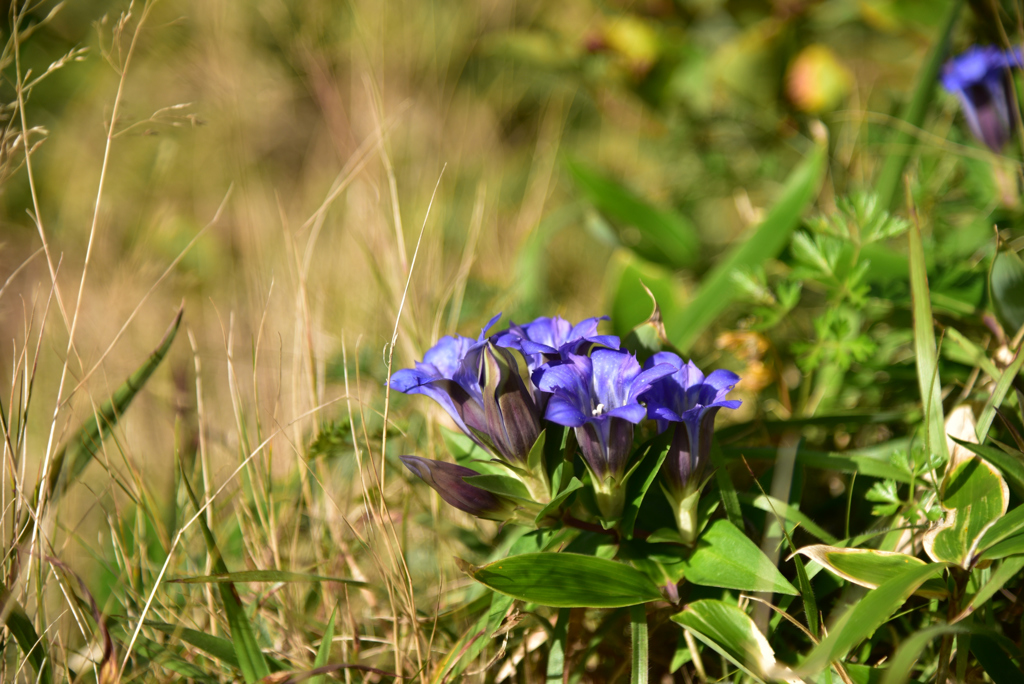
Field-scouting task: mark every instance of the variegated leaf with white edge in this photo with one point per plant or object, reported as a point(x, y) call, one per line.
point(870, 567)
point(974, 496)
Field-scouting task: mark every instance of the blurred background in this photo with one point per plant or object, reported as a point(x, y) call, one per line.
point(279, 166)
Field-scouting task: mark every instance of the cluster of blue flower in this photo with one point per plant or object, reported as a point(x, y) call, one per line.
point(576, 378)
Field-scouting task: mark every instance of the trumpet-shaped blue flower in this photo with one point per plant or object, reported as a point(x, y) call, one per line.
point(449, 375)
point(544, 339)
point(980, 79)
point(690, 401)
point(599, 397)
point(447, 479)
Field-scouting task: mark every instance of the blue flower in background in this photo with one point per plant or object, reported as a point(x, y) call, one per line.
point(688, 400)
point(546, 338)
point(448, 375)
point(599, 397)
point(980, 79)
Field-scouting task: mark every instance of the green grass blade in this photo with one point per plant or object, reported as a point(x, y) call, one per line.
point(901, 665)
point(35, 647)
point(323, 653)
point(988, 414)
point(718, 289)
point(925, 348)
point(638, 632)
point(250, 658)
point(890, 179)
point(264, 576)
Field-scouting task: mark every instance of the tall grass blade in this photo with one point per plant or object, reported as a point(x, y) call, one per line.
point(250, 658)
point(718, 288)
point(903, 142)
point(925, 348)
point(323, 653)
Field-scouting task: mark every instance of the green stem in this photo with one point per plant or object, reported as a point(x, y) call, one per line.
point(638, 624)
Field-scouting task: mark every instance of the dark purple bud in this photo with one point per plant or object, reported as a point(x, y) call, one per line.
point(512, 416)
point(448, 481)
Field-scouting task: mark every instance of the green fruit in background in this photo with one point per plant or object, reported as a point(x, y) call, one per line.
point(1006, 288)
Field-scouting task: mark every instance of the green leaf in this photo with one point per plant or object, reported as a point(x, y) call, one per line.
point(925, 348)
point(866, 616)
point(1006, 285)
point(725, 557)
point(718, 289)
point(995, 400)
point(556, 503)
point(1009, 526)
point(567, 580)
point(974, 495)
point(35, 647)
point(218, 647)
point(890, 179)
point(250, 657)
point(265, 576)
point(994, 660)
point(323, 653)
point(731, 632)
point(1006, 571)
point(556, 654)
point(902, 664)
point(665, 236)
point(869, 567)
point(640, 480)
point(502, 485)
point(1009, 461)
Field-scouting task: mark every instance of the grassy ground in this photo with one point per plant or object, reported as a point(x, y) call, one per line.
point(326, 188)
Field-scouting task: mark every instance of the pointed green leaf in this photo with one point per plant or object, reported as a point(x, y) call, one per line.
point(725, 557)
point(552, 507)
point(323, 653)
point(901, 665)
point(1006, 285)
point(664, 236)
point(869, 567)
point(473, 641)
point(502, 485)
point(1010, 526)
point(995, 400)
point(860, 621)
point(640, 480)
point(567, 580)
point(731, 632)
point(718, 289)
point(1006, 571)
point(890, 179)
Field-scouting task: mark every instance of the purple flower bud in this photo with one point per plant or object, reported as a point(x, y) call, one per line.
point(510, 412)
point(447, 480)
point(980, 79)
point(690, 401)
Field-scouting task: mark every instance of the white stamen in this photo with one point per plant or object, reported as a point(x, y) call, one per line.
point(598, 410)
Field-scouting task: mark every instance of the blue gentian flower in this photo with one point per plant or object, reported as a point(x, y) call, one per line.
point(544, 339)
point(447, 479)
point(479, 385)
point(980, 79)
point(449, 375)
point(689, 401)
point(598, 396)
